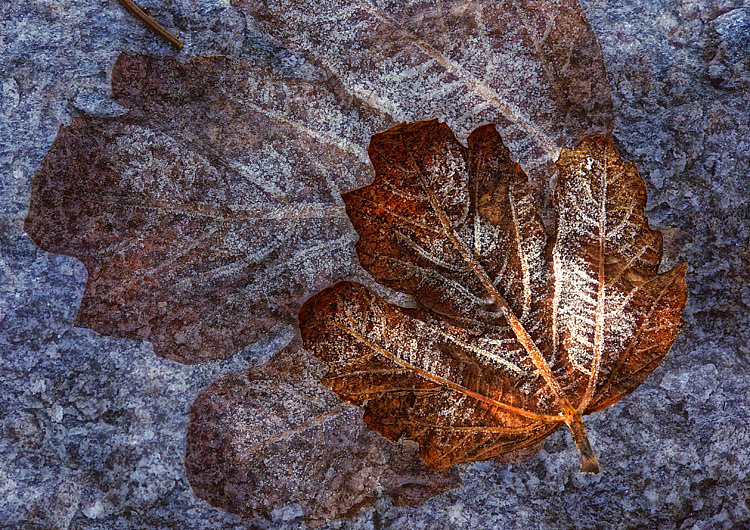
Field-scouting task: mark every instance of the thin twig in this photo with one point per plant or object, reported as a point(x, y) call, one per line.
point(152, 24)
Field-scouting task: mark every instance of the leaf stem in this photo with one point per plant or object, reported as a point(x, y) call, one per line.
point(588, 459)
point(152, 24)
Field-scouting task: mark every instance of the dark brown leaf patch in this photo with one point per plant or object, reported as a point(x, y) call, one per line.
point(274, 436)
point(211, 210)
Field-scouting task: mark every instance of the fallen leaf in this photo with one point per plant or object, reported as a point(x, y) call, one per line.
point(208, 213)
point(534, 68)
point(517, 333)
point(271, 437)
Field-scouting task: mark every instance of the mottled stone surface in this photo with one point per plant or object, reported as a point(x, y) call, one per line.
point(92, 429)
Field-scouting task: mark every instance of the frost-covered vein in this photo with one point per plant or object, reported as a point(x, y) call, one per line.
point(537, 322)
point(299, 256)
point(501, 361)
point(500, 276)
point(244, 292)
point(305, 252)
point(581, 340)
point(209, 153)
point(349, 329)
point(587, 320)
point(620, 307)
point(642, 328)
point(624, 222)
point(511, 111)
point(598, 329)
point(585, 276)
point(292, 214)
point(331, 183)
point(526, 279)
point(501, 342)
point(588, 189)
point(633, 259)
point(307, 425)
point(429, 256)
point(427, 273)
point(236, 266)
point(399, 192)
point(582, 214)
point(222, 215)
point(537, 43)
point(444, 33)
point(483, 39)
point(167, 260)
point(149, 229)
point(323, 137)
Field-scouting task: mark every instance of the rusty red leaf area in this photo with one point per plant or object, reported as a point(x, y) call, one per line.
point(516, 333)
point(274, 436)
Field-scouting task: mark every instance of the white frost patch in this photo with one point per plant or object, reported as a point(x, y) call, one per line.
point(586, 214)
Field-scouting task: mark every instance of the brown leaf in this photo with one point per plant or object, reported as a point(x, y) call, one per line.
point(207, 214)
point(532, 67)
point(515, 335)
point(274, 436)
